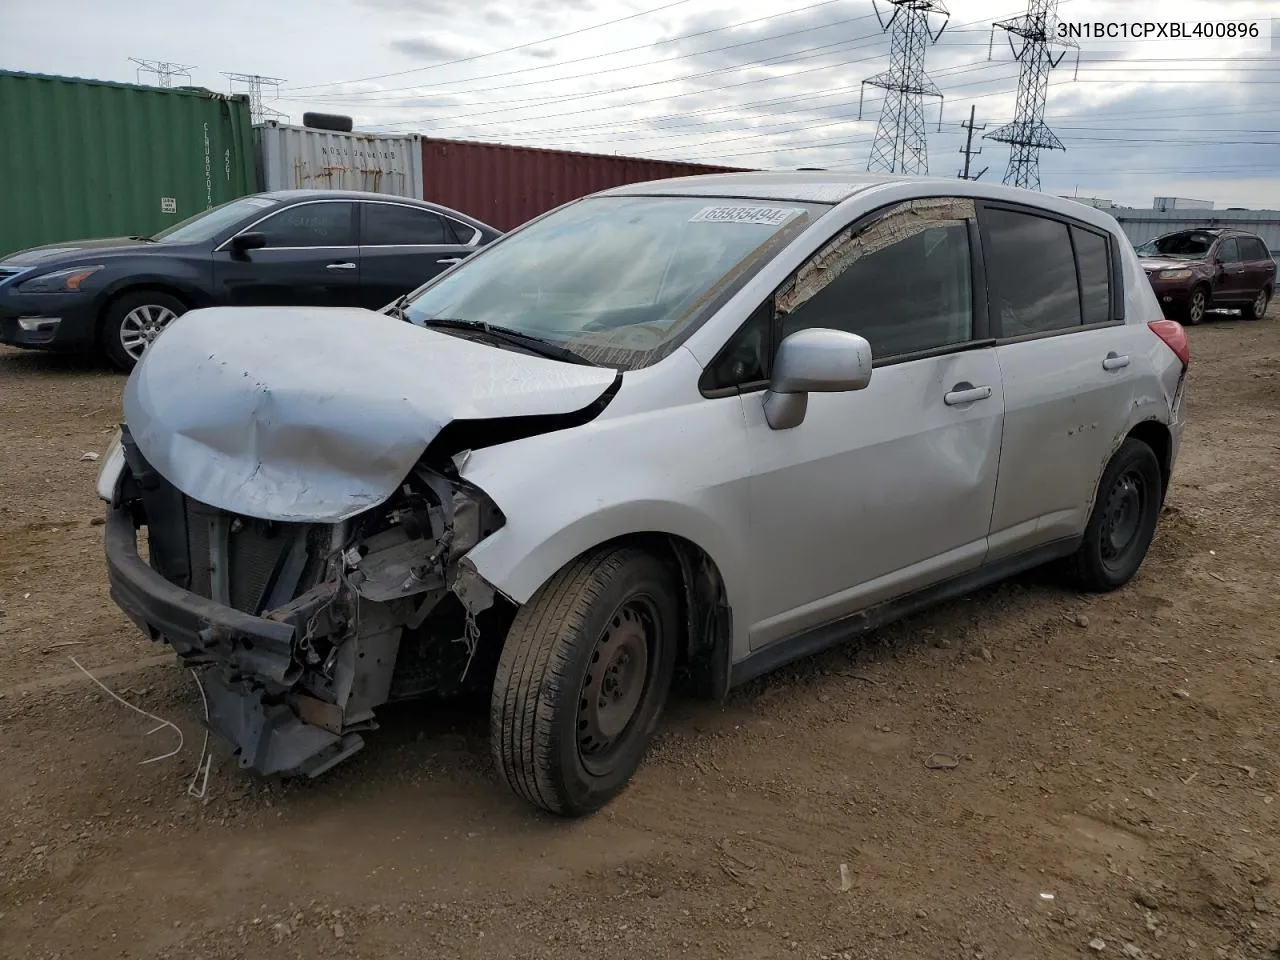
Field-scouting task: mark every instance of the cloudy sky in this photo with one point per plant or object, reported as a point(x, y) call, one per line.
point(752, 83)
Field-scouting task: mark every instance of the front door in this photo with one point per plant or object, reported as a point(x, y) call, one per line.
point(886, 490)
point(402, 247)
point(310, 259)
point(1234, 275)
point(1068, 368)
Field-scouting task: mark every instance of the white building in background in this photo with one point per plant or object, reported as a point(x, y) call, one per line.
point(1165, 204)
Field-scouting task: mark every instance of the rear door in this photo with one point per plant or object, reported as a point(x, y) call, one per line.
point(1067, 361)
point(1260, 268)
point(403, 246)
point(310, 259)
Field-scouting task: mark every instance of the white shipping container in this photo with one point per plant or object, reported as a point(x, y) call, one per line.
point(291, 158)
point(1180, 203)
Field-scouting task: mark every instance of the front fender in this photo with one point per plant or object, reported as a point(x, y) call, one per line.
point(190, 281)
point(521, 557)
point(674, 465)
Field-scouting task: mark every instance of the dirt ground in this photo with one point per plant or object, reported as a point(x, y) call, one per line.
point(1116, 776)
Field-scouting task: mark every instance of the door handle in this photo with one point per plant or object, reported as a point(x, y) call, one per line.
point(341, 266)
point(451, 260)
point(1114, 361)
point(965, 393)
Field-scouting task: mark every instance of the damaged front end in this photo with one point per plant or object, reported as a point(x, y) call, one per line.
point(303, 629)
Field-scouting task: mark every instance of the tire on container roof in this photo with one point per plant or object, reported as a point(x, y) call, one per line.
point(327, 121)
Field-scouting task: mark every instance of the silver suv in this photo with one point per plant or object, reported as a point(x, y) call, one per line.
point(710, 425)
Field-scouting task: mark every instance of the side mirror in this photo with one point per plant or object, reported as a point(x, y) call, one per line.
point(814, 361)
point(244, 242)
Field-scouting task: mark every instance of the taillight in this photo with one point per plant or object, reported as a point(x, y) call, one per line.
point(1171, 332)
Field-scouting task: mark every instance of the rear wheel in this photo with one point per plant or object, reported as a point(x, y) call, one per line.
point(1258, 308)
point(1123, 521)
point(133, 321)
point(583, 677)
point(1197, 305)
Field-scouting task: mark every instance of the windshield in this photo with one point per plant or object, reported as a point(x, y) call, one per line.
point(617, 280)
point(209, 223)
point(1193, 245)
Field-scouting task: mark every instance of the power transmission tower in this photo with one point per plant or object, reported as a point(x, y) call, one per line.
point(968, 151)
point(163, 70)
point(252, 83)
point(900, 145)
point(1028, 134)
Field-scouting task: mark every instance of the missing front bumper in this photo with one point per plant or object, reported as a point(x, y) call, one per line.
point(251, 660)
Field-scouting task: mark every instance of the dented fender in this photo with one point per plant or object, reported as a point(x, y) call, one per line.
point(627, 472)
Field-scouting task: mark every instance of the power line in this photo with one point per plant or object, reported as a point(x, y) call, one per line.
point(370, 96)
point(163, 70)
point(561, 98)
point(608, 130)
point(494, 53)
point(901, 145)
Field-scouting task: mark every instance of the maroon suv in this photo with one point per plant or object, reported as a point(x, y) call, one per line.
point(1194, 271)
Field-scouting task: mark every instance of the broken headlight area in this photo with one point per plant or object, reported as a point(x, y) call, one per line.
point(304, 629)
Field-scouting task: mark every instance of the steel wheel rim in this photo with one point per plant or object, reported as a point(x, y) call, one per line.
point(141, 326)
point(1122, 515)
point(618, 676)
point(1197, 306)
point(1260, 305)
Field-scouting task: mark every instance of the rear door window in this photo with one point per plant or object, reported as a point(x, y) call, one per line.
point(396, 225)
point(1032, 271)
point(1251, 248)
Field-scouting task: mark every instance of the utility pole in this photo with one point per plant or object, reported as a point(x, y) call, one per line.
point(900, 144)
point(163, 70)
point(968, 150)
point(258, 112)
point(1028, 134)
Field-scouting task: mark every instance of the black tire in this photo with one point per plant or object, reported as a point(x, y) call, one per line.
point(1123, 521)
point(1196, 307)
point(161, 306)
point(1257, 309)
point(541, 722)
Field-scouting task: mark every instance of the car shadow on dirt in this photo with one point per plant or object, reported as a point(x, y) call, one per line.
point(42, 363)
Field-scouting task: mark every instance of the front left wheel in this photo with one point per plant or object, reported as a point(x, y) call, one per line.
point(582, 680)
point(132, 323)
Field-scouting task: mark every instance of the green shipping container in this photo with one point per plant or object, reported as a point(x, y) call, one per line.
point(84, 159)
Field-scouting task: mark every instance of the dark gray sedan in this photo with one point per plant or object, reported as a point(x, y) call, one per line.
point(285, 248)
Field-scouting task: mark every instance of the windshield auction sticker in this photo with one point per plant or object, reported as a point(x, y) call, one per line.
point(765, 216)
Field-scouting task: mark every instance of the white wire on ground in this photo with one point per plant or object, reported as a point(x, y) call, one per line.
point(159, 720)
point(206, 758)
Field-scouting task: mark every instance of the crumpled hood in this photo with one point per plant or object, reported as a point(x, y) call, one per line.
point(317, 414)
point(1168, 263)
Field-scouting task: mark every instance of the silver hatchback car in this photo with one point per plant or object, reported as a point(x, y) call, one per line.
point(709, 425)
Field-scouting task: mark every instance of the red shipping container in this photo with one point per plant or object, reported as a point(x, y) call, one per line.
point(505, 186)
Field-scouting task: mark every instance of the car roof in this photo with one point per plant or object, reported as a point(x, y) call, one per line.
point(312, 193)
point(797, 186)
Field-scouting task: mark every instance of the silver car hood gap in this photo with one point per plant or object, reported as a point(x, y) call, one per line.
point(317, 414)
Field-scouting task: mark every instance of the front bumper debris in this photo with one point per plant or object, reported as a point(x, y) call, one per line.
point(248, 708)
